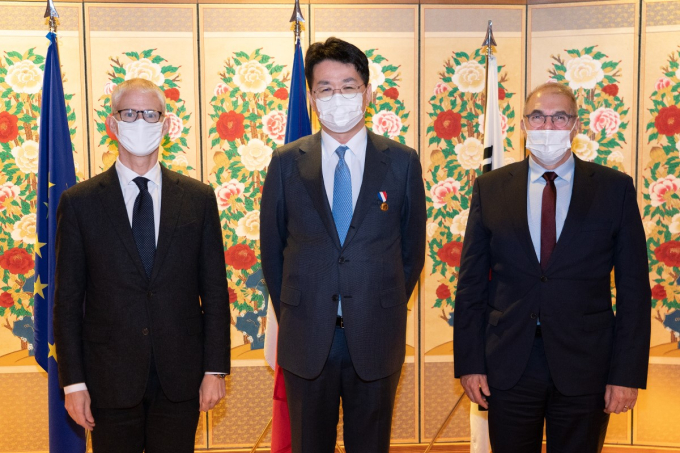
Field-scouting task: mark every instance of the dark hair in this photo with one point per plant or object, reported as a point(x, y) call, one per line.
point(337, 50)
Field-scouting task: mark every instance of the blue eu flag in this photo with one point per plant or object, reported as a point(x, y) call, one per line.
point(297, 124)
point(56, 173)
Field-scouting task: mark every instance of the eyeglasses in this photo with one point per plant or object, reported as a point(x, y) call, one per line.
point(558, 119)
point(131, 115)
point(347, 92)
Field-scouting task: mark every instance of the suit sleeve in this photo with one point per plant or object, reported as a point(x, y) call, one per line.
point(471, 295)
point(69, 294)
point(214, 293)
point(630, 355)
point(413, 220)
point(273, 231)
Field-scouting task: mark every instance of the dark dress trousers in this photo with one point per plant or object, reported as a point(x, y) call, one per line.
point(121, 332)
point(583, 344)
point(374, 272)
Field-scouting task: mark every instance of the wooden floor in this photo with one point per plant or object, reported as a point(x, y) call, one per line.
point(465, 448)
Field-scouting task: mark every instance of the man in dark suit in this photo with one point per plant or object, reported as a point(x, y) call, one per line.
point(537, 338)
point(343, 244)
point(141, 313)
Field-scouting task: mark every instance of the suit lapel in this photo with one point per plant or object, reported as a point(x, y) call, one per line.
point(171, 202)
point(581, 198)
point(309, 166)
point(375, 168)
point(516, 201)
point(111, 196)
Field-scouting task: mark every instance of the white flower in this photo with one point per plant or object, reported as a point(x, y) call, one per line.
point(274, 125)
point(662, 189)
point(470, 77)
point(584, 147)
point(470, 153)
point(649, 226)
point(180, 162)
point(386, 122)
point(432, 229)
point(252, 77)
point(109, 87)
point(8, 191)
point(26, 156)
point(616, 156)
point(24, 77)
point(255, 155)
point(24, 229)
point(175, 126)
point(584, 72)
point(504, 125)
point(221, 88)
point(145, 69)
point(30, 347)
point(440, 88)
point(249, 226)
point(227, 192)
point(376, 76)
point(677, 74)
point(459, 222)
point(674, 226)
point(442, 192)
point(605, 119)
point(507, 160)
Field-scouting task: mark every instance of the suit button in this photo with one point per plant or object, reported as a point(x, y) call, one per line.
point(533, 316)
point(145, 331)
point(336, 298)
point(341, 260)
point(544, 278)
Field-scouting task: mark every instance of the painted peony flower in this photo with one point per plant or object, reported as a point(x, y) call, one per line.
point(470, 153)
point(252, 77)
point(145, 69)
point(584, 72)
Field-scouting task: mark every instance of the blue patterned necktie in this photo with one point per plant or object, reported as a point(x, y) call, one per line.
point(342, 195)
point(143, 226)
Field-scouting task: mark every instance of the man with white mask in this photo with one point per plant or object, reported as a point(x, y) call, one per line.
point(141, 312)
point(535, 336)
point(342, 236)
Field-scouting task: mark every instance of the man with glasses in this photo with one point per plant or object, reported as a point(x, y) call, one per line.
point(141, 312)
point(535, 337)
point(342, 236)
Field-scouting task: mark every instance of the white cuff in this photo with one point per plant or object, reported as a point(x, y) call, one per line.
point(79, 387)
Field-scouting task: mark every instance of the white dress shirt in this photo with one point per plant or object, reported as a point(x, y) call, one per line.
point(355, 157)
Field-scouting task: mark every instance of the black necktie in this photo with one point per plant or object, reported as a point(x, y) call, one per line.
point(548, 228)
point(143, 226)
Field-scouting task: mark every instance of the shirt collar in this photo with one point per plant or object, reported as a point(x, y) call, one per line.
point(126, 176)
point(356, 144)
point(564, 171)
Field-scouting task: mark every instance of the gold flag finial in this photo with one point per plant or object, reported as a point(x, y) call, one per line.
point(489, 43)
point(51, 16)
point(298, 20)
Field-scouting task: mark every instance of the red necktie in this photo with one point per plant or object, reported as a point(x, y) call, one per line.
point(548, 229)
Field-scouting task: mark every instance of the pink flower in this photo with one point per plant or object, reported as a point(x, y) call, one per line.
point(605, 119)
point(108, 88)
point(274, 125)
point(175, 126)
point(386, 122)
point(227, 192)
point(443, 191)
point(663, 82)
point(662, 189)
point(221, 88)
point(440, 88)
point(8, 190)
point(504, 125)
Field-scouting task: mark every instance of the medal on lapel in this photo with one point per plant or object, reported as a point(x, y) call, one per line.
point(383, 198)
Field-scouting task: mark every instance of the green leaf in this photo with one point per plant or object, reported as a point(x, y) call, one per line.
point(15, 54)
point(574, 52)
point(134, 55)
point(147, 53)
point(157, 59)
point(169, 68)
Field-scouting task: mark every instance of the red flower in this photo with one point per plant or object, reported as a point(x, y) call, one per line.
point(447, 125)
point(6, 300)
point(501, 94)
point(110, 133)
point(240, 256)
point(281, 93)
point(658, 292)
point(392, 93)
point(450, 253)
point(667, 122)
point(232, 296)
point(8, 127)
point(443, 291)
point(611, 89)
point(230, 126)
point(669, 253)
point(172, 94)
point(17, 261)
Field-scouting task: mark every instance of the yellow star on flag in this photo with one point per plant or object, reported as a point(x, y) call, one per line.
point(52, 352)
point(38, 287)
point(38, 246)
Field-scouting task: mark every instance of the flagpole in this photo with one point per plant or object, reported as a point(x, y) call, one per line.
point(489, 43)
point(446, 422)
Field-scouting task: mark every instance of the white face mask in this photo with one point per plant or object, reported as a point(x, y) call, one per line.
point(339, 114)
point(548, 145)
point(140, 138)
